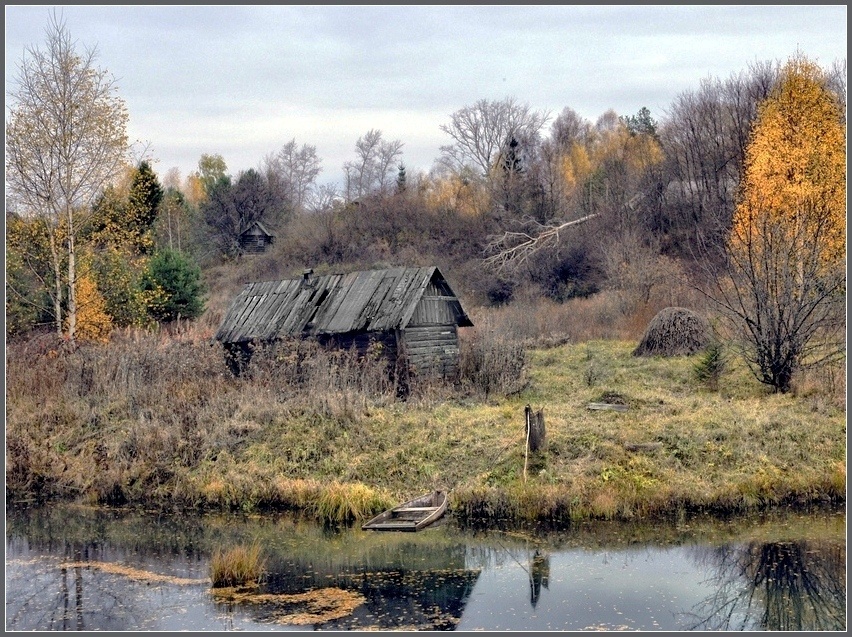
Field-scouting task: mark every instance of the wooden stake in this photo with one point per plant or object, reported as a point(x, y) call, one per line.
point(527, 411)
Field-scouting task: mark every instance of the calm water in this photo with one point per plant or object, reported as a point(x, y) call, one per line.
point(73, 568)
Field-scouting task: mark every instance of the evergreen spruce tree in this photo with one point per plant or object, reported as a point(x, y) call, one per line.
point(174, 287)
point(144, 199)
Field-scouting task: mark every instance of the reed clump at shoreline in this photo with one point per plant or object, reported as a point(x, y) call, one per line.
point(158, 421)
point(242, 565)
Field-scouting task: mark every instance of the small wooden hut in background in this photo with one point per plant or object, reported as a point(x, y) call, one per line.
point(256, 238)
point(412, 312)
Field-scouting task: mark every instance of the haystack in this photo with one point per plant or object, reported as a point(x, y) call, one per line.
point(674, 331)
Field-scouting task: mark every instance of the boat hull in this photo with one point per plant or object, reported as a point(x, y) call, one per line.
point(411, 516)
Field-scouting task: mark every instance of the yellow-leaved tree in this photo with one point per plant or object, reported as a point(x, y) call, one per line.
point(786, 283)
point(93, 321)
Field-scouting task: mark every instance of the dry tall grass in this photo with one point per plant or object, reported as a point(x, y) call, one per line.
point(237, 566)
point(144, 417)
point(541, 322)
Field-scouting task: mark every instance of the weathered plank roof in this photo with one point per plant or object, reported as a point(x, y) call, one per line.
point(370, 300)
point(259, 226)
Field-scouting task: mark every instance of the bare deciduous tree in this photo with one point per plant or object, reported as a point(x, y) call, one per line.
point(323, 199)
point(481, 133)
point(704, 140)
point(569, 128)
point(292, 173)
point(373, 170)
point(784, 285)
point(66, 139)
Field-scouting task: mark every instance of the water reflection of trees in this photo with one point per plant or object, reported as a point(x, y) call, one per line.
point(92, 528)
point(792, 586)
point(422, 581)
point(60, 594)
point(419, 584)
point(405, 586)
point(66, 598)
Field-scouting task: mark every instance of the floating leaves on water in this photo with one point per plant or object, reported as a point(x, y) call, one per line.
point(134, 573)
point(312, 607)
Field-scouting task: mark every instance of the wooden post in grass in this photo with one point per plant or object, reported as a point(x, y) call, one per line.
point(534, 433)
point(527, 411)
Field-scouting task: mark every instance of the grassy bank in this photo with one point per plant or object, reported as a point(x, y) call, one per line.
point(158, 421)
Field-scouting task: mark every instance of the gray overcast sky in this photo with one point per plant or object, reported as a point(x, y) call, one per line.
point(241, 81)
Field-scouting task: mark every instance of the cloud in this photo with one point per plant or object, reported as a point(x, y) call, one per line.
point(241, 81)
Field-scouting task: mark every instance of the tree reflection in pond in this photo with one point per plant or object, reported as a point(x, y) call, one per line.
point(404, 586)
point(774, 586)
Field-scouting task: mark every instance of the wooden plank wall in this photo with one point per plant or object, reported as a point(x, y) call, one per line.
point(408, 310)
point(254, 244)
point(432, 350)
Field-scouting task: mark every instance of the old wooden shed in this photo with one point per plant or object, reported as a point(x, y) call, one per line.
point(412, 312)
point(256, 238)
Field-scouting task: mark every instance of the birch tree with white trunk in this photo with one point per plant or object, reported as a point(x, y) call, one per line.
point(66, 140)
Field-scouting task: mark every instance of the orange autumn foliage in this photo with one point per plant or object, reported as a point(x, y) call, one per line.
point(795, 169)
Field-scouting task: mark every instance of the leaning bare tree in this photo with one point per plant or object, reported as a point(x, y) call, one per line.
point(513, 248)
point(66, 139)
point(584, 172)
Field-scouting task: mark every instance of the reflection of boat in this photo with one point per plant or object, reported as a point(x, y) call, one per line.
point(413, 515)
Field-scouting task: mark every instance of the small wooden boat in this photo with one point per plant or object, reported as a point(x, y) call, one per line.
point(413, 515)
